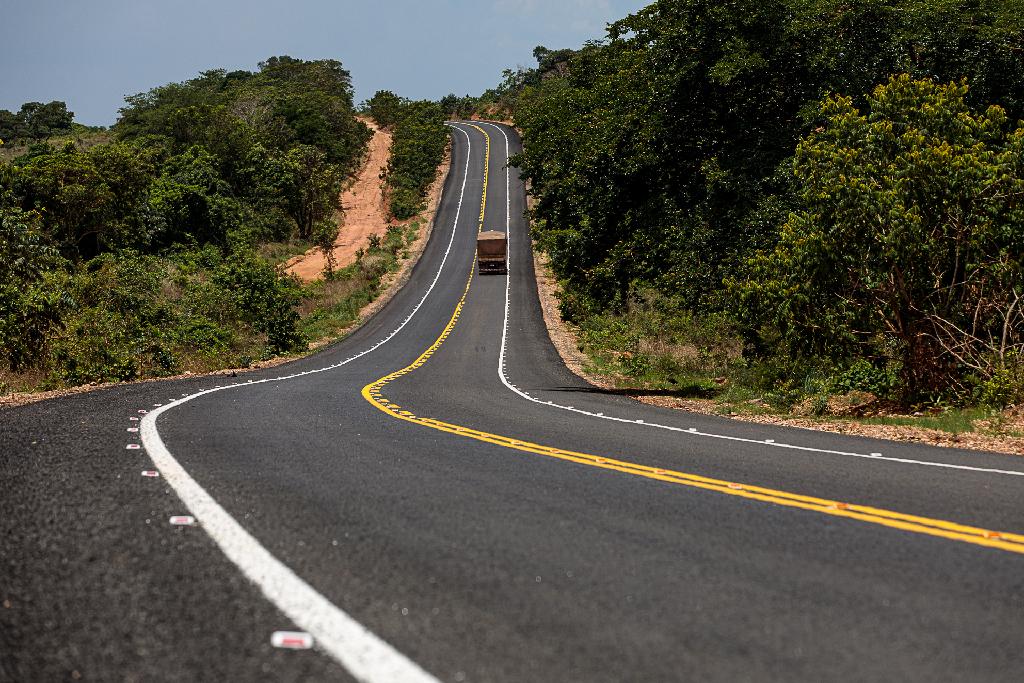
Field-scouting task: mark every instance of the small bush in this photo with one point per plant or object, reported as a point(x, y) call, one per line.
point(863, 375)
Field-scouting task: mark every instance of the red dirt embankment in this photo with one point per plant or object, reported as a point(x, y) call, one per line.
point(364, 212)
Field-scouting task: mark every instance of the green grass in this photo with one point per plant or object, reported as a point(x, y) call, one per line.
point(330, 306)
point(651, 348)
point(954, 421)
point(278, 252)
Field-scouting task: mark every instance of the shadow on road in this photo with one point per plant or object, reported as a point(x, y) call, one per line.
point(691, 391)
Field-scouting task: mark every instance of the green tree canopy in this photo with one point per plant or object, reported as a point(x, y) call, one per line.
point(36, 121)
point(385, 108)
point(909, 240)
point(659, 156)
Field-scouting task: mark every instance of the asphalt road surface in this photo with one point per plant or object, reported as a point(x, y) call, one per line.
point(437, 498)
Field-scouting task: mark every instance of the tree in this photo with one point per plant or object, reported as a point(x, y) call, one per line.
point(70, 195)
point(910, 235)
point(11, 126)
point(191, 203)
point(312, 187)
point(128, 175)
point(36, 121)
point(41, 121)
point(289, 101)
point(325, 233)
point(385, 108)
point(450, 103)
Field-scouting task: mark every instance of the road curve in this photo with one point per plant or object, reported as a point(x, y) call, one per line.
point(437, 497)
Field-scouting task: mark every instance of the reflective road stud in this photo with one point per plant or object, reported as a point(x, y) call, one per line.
point(132, 447)
point(150, 473)
point(291, 640)
point(183, 520)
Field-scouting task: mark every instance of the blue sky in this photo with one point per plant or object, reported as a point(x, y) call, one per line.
point(92, 53)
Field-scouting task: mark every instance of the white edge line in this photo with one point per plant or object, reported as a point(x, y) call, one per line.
point(362, 653)
point(655, 425)
point(365, 655)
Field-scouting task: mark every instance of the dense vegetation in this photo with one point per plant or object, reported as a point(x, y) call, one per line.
point(833, 187)
point(418, 142)
point(35, 121)
point(145, 255)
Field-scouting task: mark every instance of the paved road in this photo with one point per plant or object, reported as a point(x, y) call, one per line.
point(452, 503)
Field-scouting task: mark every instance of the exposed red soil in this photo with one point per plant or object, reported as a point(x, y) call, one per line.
point(364, 212)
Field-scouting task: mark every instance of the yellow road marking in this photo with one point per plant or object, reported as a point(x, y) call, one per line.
point(923, 525)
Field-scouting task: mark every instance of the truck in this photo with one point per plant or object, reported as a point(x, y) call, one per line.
point(492, 252)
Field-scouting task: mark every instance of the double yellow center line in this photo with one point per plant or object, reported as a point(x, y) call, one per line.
point(372, 392)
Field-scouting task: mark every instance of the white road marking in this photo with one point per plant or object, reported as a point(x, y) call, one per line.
point(654, 425)
point(365, 655)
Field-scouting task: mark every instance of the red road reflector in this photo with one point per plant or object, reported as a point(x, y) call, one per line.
point(841, 506)
point(993, 534)
point(132, 447)
point(150, 473)
point(291, 640)
point(133, 429)
point(183, 520)
point(142, 412)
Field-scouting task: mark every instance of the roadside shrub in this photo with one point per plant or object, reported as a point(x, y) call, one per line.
point(864, 375)
point(661, 345)
point(114, 330)
point(262, 298)
point(1004, 388)
point(29, 309)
